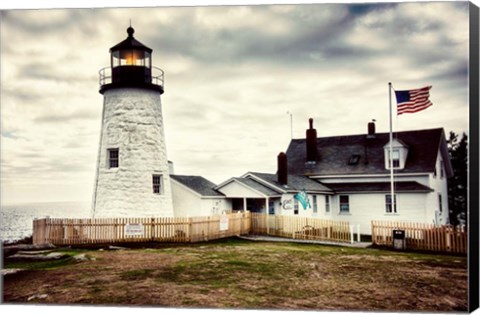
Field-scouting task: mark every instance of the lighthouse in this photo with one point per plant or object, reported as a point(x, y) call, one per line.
point(132, 178)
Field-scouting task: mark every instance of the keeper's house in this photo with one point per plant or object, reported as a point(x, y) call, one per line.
point(348, 178)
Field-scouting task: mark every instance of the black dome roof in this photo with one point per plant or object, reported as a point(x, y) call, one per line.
point(130, 42)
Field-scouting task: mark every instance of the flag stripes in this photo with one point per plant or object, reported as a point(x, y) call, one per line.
point(412, 101)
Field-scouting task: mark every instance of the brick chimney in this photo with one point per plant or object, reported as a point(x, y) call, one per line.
point(312, 153)
point(371, 130)
point(282, 173)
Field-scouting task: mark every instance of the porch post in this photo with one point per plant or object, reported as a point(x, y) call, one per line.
point(245, 204)
point(266, 215)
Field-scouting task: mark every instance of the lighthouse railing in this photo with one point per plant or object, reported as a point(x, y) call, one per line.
point(156, 77)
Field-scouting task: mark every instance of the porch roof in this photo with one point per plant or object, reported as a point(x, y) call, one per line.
point(295, 183)
point(264, 190)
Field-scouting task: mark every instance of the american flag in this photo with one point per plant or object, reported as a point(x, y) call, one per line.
point(413, 101)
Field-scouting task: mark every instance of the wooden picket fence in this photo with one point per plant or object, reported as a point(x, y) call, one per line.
point(186, 230)
point(296, 227)
point(125, 230)
point(420, 236)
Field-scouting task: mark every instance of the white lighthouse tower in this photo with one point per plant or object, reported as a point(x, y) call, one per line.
point(132, 177)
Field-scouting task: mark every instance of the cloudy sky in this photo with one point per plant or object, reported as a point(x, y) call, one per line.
point(232, 73)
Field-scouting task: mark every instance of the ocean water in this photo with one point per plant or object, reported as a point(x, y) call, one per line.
point(16, 221)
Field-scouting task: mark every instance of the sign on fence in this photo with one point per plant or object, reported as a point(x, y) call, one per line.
point(223, 223)
point(134, 229)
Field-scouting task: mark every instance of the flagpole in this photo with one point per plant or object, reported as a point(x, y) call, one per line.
point(392, 196)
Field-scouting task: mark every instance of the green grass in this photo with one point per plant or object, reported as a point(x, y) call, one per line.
point(237, 273)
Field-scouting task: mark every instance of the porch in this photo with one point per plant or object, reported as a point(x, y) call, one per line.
point(257, 205)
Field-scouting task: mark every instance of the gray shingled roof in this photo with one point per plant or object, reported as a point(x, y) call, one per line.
point(198, 184)
point(294, 183)
point(334, 153)
point(257, 186)
point(409, 186)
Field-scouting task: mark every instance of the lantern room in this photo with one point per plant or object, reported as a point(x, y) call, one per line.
point(131, 66)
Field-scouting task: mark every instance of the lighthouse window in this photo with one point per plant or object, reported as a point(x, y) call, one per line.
point(147, 61)
point(112, 158)
point(157, 184)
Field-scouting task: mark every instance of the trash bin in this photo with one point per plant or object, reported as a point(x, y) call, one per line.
point(399, 239)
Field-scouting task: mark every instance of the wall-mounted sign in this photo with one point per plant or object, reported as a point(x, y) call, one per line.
point(134, 229)
point(223, 223)
point(287, 204)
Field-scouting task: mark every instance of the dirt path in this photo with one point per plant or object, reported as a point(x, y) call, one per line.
point(242, 274)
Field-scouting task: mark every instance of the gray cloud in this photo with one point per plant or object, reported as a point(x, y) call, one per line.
point(232, 73)
point(45, 23)
point(64, 118)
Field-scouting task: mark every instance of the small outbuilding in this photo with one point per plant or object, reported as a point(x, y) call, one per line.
point(195, 196)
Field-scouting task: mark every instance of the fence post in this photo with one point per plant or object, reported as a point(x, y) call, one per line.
point(267, 223)
point(372, 231)
point(352, 238)
point(48, 224)
point(34, 232)
point(447, 239)
point(189, 230)
point(152, 229)
point(208, 229)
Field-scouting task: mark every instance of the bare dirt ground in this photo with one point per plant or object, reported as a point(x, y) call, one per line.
point(248, 275)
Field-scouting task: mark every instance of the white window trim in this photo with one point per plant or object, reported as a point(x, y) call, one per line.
point(109, 150)
point(161, 184)
point(296, 207)
point(340, 205)
point(395, 204)
point(390, 164)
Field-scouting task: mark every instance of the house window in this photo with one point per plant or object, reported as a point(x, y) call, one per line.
point(388, 204)
point(112, 155)
point(344, 203)
point(327, 203)
point(314, 201)
point(395, 159)
point(295, 206)
point(271, 207)
point(440, 206)
point(441, 169)
point(157, 184)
